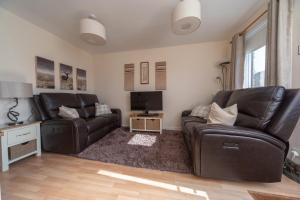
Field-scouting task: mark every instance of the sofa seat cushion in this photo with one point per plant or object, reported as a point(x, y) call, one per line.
point(256, 106)
point(94, 124)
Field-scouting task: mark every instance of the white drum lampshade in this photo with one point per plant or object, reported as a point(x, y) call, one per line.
point(92, 31)
point(187, 17)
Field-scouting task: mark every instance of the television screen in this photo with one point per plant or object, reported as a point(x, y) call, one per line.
point(146, 100)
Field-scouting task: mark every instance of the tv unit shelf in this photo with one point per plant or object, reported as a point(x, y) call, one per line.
point(146, 123)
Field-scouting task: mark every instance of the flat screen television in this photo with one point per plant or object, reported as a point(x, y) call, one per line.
point(146, 101)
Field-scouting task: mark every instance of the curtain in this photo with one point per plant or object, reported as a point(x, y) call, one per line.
point(279, 43)
point(236, 71)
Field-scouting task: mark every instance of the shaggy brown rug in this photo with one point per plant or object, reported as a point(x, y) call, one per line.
point(165, 152)
point(264, 196)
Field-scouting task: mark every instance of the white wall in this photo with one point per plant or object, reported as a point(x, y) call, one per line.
point(191, 77)
point(20, 42)
point(295, 139)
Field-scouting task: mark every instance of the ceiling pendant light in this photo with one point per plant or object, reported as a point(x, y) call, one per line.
point(187, 17)
point(92, 31)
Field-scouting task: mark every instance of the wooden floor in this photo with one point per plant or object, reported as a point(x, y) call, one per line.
point(57, 177)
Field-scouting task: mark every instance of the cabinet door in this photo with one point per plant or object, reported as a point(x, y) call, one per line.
point(153, 124)
point(138, 124)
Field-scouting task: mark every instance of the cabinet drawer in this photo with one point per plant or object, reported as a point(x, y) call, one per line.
point(153, 124)
point(21, 149)
point(21, 135)
point(138, 124)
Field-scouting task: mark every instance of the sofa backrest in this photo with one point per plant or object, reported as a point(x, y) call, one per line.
point(256, 106)
point(39, 109)
point(87, 102)
point(286, 118)
point(221, 98)
point(52, 101)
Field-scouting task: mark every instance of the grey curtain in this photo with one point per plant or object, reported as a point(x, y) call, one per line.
point(235, 75)
point(279, 43)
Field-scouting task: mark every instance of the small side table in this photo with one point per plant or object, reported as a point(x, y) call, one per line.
point(146, 123)
point(18, 142)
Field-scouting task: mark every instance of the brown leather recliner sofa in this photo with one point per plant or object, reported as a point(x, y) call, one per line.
point(254, 149)
point(72, 136)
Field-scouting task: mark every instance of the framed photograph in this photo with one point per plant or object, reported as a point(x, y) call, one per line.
point(81, 79)
point(66, 77)
point(144, 68)
point(44, 73)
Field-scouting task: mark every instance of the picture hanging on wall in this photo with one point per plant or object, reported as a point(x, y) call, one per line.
point(81, 79)
point(144, 68)
point(66, 77)
point(44, 73)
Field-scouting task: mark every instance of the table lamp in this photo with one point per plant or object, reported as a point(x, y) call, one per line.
point(15, 90)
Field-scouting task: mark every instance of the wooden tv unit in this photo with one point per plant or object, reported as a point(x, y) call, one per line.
point(146, 123)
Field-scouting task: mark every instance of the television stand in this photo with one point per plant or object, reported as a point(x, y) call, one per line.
point(148, 115)
point(146, 122)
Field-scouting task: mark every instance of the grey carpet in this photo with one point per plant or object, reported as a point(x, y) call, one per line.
point(165, 152)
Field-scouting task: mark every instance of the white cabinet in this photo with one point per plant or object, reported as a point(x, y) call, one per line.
point(146, 123)
point(19, 142)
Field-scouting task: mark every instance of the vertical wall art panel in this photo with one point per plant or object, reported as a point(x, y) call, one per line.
point(44, 73)
point(129, 77)
point(66, 77)
point(160, 76)
point(144, 72)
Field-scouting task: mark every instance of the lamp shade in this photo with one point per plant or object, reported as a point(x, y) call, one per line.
point(15, 90)
point(186, 17)
point(92, 31)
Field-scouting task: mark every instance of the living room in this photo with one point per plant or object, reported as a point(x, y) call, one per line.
point(79, 58)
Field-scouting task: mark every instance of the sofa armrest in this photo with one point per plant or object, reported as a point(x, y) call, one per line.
point(186, 113)
point(119, 113)
point(64, 136)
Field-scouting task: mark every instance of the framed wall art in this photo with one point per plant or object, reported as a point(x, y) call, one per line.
point(81, 79)
point(66, 77)
point(129, 77)
point(44, 73)
point(144, 72)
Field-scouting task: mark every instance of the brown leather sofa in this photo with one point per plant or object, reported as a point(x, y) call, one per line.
point(256, 147)
point(72, 136)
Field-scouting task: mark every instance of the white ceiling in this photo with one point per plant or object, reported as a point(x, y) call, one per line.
point(133, 24)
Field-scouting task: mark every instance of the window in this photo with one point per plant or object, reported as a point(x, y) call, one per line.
point(255, 56)
point(255, 68)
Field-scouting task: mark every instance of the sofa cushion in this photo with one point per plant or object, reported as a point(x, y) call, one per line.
point(256, 106)
point(102, 109)
point(87, 102)
point(226, 116)
point(52, 101)
point(68, 113)
point(221, 98)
